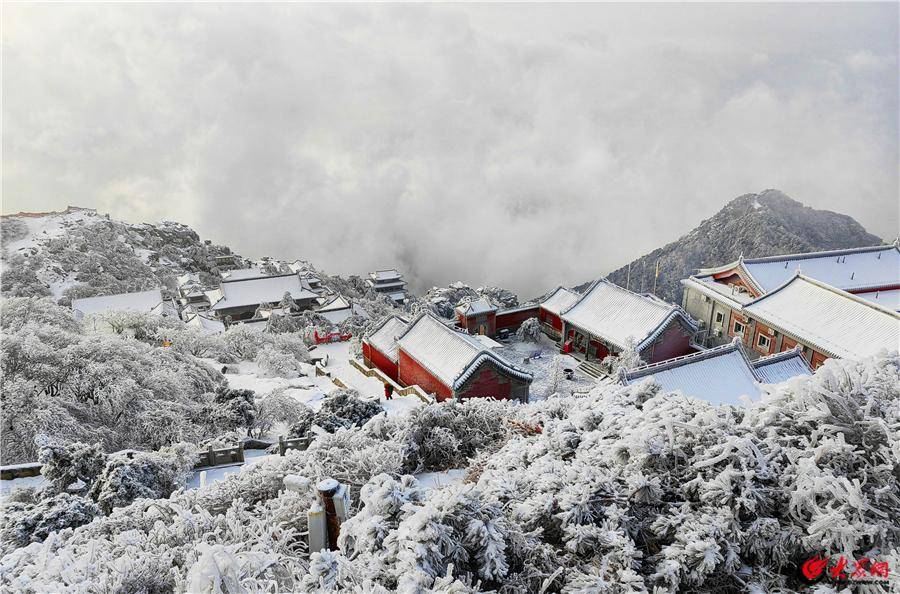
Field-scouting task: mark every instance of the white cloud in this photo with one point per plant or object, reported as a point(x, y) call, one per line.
point(522, 145)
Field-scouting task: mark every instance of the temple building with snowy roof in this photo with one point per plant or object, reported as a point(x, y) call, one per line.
point(838, 303)
point(442, 360)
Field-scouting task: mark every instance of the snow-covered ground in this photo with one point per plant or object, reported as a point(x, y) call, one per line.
point(369, 387)
point(20, 483)
point(436, 480)
point(537, 358)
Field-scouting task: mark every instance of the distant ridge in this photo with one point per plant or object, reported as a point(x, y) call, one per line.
point(755, 225)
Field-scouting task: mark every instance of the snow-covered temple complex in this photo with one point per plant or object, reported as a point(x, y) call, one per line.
point(442, 361)
point(242, 297)
point(389, 282)
point(839, 303)
point(721, 375)
point(607, 319)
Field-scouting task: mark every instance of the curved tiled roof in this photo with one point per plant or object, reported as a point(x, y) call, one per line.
point(449, 355)
point(384, 336)
point(560, 300)
point(832, 321)
point(614, 314)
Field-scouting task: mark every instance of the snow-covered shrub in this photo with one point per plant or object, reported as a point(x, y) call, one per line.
point(242, 342)
point(19, 278)
point(72, 466)
point(191, 340)
point(529, 331)
point(443, 436)
point(345, 408)
point(627, 489)
point(23, 523)
point(291, 344)
point(305, 419)
point(273, 363)
point(278, 407)
point(235, 408)
point(627, 358)
point(150, 475)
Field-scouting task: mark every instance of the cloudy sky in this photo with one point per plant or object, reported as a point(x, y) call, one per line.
point(522, 145)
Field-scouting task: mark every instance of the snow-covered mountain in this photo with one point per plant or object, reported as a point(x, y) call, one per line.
point(80, 252)
point(755, 225)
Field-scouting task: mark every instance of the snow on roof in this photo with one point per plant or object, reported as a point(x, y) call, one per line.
point(889, 299)
point(610, 312)
point(708, 286)
point(201, 321)
point(479, 306)
point(256, 291)
point(720, 375)
point(398, 296)
point(449, 355)
point(384, 338)
point(146, 301)
point(781, 366)
point(243, 274)
point(336, 304)
point(833, 321)
point(560, 300)
point(850, 269)
point(385, 275)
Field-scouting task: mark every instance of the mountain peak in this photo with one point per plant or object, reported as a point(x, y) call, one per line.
point(755, 225)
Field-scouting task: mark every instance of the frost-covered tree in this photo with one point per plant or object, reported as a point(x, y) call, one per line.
point(278, 407)
point(529, 331)
point(149, 475)
point(236, 408)
point(273, 363)
point(627, 358)
point(67, 384)
point(242, 342)
point(556, 379)
point(68, 467)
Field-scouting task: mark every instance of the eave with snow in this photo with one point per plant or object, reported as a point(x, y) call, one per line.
point(607, 318)
point(723, 298)
point(443, 361)
point(241, 298)
point(721, 375)
point(551, 308)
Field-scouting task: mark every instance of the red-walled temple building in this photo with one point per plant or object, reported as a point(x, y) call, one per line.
point(607, 319)
point(442, 361)
point(839, 303)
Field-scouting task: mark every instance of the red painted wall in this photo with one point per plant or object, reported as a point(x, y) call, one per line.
point(787, 343)
point(472, 323)
point(675, 341)
point(514, 319)
point(487, 382)
point(410, 372)
point(744, 321)
point(817, 359)
point(373, 356)
point(764, 330)
point(550, 319)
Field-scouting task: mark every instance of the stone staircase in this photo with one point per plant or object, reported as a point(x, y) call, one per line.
point(592, 370)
